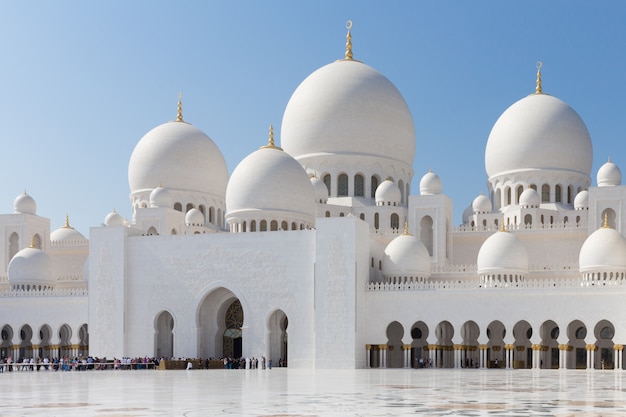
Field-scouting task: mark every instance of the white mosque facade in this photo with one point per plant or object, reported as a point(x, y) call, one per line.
point(319, 255)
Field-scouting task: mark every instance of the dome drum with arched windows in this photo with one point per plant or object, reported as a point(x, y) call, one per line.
point(502, 260)
point(406, 260)
point(603, 256)
point(31, 270)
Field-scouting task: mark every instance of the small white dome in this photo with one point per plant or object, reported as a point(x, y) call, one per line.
point(530, 198)
point(178, 156)
point(407, 256)
point(603, 251)
point(481, 204)
point(24, 204)
point(67, 235)
point(467, 214)
point(502, 253)
point(430, 184)
point(539, 132)
point(581, 202)
point(113, 219)
point(194, 217)
point(31, 266)
point(321, 191)
point(270, 180)
point(160, 197)
point(609, 174)
point(388, 192)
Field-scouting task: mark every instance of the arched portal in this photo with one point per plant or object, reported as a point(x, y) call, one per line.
point(83, 340)
point(495, 355)
point(220, 318)
point(445, 350)
point(26, 345)
point(604, 357)
point(45, 336)
point(65, 337)
point(523, 352)
point(469, 356)
point(5, 346)
point(550, 345)
point(164, 335)
point(419, 353)
point(395, 331)
point(277, 338)
point(577, 356)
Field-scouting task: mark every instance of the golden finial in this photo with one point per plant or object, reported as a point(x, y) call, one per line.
point(67, 222)
point(406, 228)
point(538, 89)
point(270, 143)
point(502, 228)
point(609, 159)
point(179, 116)
point(430, 170)
point(605, 224)
point(32, 242)
point(349, 41)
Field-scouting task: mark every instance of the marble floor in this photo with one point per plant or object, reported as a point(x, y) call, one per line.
point(283, 392)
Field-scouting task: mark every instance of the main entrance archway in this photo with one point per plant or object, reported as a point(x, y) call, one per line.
point(220, 320)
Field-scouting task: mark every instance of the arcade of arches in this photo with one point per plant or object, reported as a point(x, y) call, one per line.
point(47, 343)
point(584, 348)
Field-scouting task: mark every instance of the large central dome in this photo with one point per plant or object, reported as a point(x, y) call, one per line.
point(348, 108)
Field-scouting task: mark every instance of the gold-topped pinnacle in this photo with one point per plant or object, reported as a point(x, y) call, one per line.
point(538, 89)
point(270, 142)
point(605, 223)
point(502, 228)
point(348, 55)
point(67, 222)
point(179, 115)
point(32, 241)
point(406, 228)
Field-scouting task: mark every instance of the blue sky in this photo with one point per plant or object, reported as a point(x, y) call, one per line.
point(82, 81)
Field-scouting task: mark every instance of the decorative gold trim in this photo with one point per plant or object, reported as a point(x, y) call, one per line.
point(618, 347)
point(483, 347)
point(538, 89)
point(179, 114)
point(348, 54)
point(591, 347)
point(368, 347)
point(270, 142)
point(509, 346)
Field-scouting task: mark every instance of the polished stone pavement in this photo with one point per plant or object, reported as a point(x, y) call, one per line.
point(290, 392)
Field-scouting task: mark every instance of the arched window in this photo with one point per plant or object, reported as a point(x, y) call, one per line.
point(528, 220)
point(518, 193)
point(362, 216)
point(253, 226)
point(284, 225)
point(401, 187)
point(508, 196)
point(557, 194)
point(358, 186)
point(263, 225)
point(542, 222)
point(376, 218)
point(243, 227)
point(173, 232)
point(189, 207)
point(395, 221)
point(202, 209)
point(219, 221)
point(426, 233)
point(498, 199)
point(211, 214)
point(14, 245)
point(569, 195)
point(545, 193)
point(274, 226)
point(178, 207)
point(342, 185)
point(37, 241)
point(374, 186)
point(326, 180)
point(152, 231)
point(533, 186)
point(328, 214)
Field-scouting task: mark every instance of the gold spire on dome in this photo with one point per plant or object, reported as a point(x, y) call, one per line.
point(179, 115)
point(270, 142)
point(538, 89)
point(502, 228)
point(32, 242)
point(67, 222)
point(348, 56)
point(406, 229)
point(605, 224)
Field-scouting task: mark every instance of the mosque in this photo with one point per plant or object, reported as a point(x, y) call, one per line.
point(316, 253)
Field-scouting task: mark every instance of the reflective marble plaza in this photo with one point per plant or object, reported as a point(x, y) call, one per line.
point(289, 392)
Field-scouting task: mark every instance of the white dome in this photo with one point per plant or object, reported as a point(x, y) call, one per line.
point(178, 156)
point(67, 235)
point(609, 174)
point(481, 204)
point(581, 202)
point(348, 108)
point(406, 255)
point(530, 198)
point(538, 132)
point(604, 250)
point(113, 219)
point(24, 204)
point(388, 192)
point(31, 266)
point(269, 179)
point(502, 253)
point(160, 197)
point(430, 184)
point(321, 191)
point(194, 217)
point(467, 214)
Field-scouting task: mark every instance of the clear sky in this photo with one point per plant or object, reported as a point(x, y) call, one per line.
point(82, 81)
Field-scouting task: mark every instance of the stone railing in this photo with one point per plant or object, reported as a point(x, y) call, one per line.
point(55, 292)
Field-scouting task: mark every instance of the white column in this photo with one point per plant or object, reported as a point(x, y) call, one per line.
point(367, 356)
point(384, 356)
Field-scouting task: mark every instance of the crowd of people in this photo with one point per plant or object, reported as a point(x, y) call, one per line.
point(76, 363)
